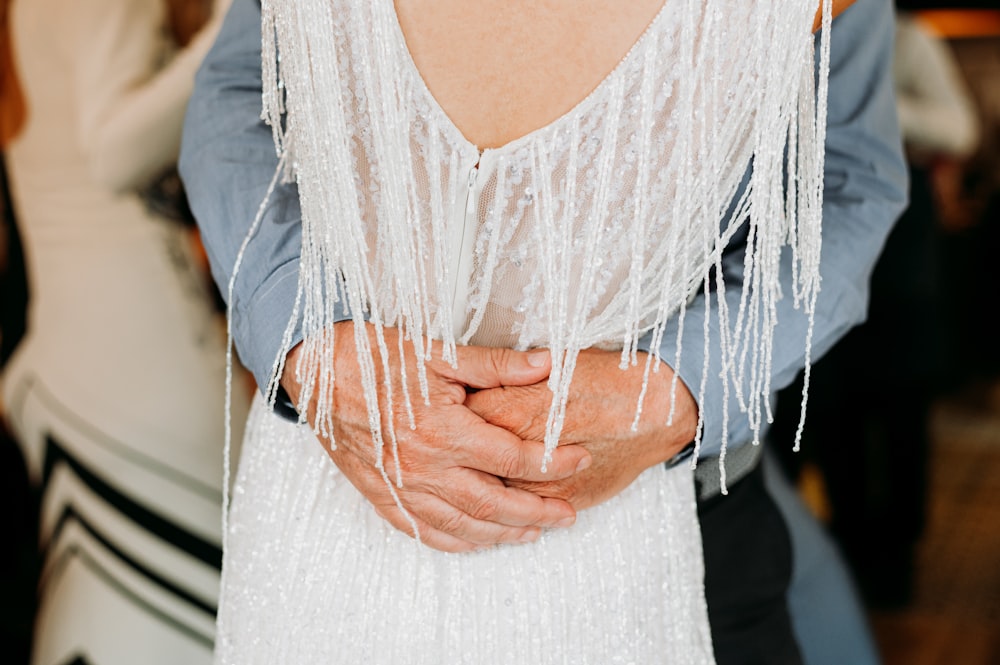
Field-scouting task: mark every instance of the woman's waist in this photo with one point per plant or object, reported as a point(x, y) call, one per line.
point(75, 209)
point(106, 369)
point(145, 269)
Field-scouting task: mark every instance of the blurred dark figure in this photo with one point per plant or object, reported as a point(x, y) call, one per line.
point(19, 561)
point(13, 285)
point(968, 195)
point(870, 396)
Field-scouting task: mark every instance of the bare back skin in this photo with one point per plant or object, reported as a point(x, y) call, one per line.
point(501, 69)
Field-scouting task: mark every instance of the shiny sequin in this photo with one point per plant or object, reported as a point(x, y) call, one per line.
point(313, 575)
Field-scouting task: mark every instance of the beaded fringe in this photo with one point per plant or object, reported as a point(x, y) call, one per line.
point(329, 98)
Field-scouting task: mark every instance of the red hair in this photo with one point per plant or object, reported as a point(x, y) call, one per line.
point(12, 104)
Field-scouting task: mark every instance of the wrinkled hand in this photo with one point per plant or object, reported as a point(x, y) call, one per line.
point(452, 462)
point(599, 416)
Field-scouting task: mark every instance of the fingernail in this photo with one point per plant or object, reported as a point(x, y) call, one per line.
point(538, 358)
point(529, 536)
point(584, 463)
point(565, 522)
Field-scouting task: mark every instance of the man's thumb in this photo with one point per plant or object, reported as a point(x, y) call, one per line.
point(488, 367)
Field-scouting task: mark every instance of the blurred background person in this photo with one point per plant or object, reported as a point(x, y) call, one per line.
point(12, 286)
point(116, 392)
point(18, 522)
point(967, 197)
point(869, 408)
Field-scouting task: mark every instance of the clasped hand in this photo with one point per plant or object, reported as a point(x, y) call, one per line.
point(471, 469)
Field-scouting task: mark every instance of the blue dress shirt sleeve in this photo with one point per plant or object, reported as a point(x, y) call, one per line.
point(865, 190)
point(228, 161)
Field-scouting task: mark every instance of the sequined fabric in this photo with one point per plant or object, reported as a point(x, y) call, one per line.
point(313, 575)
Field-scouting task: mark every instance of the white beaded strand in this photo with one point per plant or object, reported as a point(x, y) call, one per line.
point(667, 134)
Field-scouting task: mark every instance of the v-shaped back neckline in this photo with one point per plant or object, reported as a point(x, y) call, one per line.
point(459, 137)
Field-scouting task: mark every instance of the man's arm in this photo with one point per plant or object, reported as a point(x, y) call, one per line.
point(227, 161)
point(449, 466)
point(864, 192)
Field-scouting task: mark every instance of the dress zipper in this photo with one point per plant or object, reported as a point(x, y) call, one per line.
point(462, 257)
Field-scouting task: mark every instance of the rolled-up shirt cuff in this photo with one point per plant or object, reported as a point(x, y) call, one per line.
point(690, 368)
point(259, 328)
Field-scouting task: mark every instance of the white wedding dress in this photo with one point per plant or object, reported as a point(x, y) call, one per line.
point(590, 231)
point(313, 575)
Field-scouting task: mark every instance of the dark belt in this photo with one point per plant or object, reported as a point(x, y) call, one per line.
point(740, 460)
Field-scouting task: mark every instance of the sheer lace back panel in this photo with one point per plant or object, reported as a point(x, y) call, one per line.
point(591, 231)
